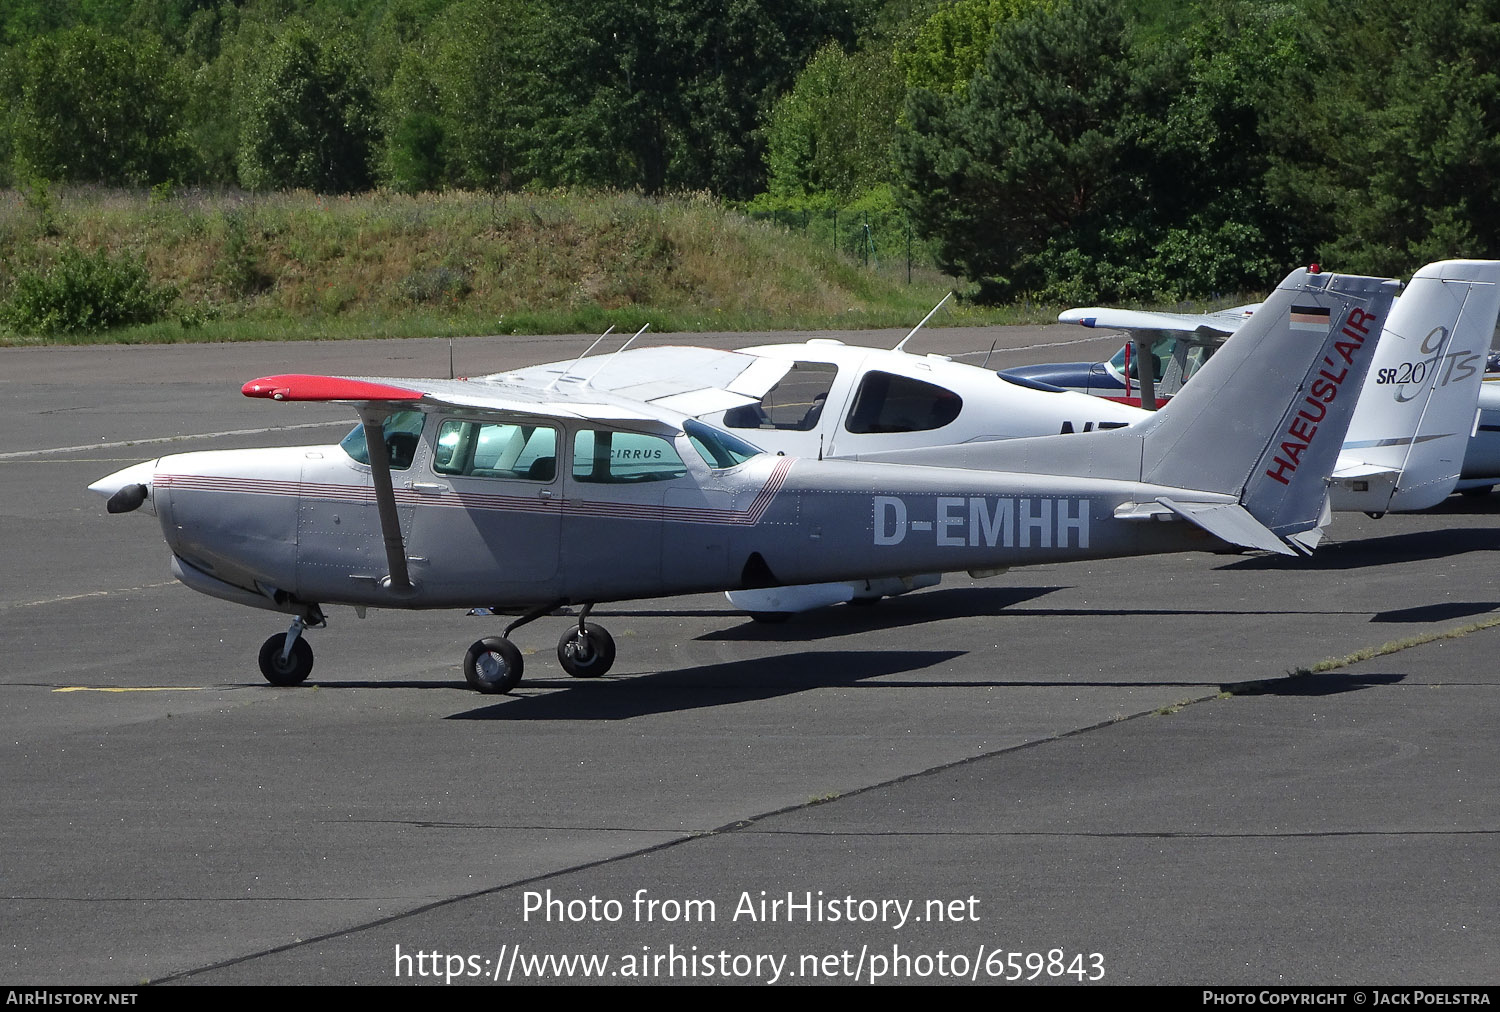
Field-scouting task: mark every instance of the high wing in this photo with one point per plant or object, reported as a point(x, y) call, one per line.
point(1181, 332)
point(500, 394)
point(1207, 328)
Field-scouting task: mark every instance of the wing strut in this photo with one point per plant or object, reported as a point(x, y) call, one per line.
point(1145, 369)
point(373, 421)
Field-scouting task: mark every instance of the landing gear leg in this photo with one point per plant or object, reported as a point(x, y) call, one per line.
point(286, 659)
point(587, 651)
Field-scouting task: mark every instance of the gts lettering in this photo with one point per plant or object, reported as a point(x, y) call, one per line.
point(1455, 366)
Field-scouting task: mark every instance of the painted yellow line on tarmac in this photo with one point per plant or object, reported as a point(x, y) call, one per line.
point(143, 688)
point(92, 593)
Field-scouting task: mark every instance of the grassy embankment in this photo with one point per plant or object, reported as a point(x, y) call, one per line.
point(290, 266)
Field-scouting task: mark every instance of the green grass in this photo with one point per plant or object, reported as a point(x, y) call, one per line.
point(293, 266)
point(1394, 647)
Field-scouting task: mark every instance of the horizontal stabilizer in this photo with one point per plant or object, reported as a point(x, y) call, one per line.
point(1307, 540)
point(1229, 522)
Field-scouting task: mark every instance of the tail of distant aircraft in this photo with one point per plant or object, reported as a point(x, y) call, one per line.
point(1407, 440)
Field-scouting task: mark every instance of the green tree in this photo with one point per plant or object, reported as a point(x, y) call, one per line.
point(681, 88)
point(500, 97)
point(1396, 159)
point(948, 47)
point(1046, 168)
point(100, 108)
point(307, 117)
point(832, 133)
point(412, 155)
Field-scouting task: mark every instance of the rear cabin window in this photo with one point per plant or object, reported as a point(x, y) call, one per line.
point(496, 450)
point(886, 402)
point(601, 455)
point(795, 403)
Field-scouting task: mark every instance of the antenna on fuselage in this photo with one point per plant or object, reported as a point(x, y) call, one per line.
point(611, 358)
point(580, 358)
point(918, 327)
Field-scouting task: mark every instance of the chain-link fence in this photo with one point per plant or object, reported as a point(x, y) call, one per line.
point(874, 238)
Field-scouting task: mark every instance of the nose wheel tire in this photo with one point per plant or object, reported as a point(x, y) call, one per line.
point(493, 666)
point(587, 651)
point(291, 671)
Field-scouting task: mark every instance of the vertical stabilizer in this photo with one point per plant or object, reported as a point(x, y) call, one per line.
point(1406, 443)
point(1266, 417)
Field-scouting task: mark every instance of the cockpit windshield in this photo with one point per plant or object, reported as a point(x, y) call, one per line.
point(1161, 354)
point(718, 448)
point(403, 432)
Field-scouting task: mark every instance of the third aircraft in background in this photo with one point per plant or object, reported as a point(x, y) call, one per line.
point(1166, 348)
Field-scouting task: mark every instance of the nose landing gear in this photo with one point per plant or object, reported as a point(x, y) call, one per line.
point(286, 658)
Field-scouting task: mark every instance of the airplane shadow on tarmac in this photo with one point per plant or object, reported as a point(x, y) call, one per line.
point(620, 698)
point(1445, 612)
point(1415, 546)
point(937, 605)
point(1329, 683)
point(915, 609)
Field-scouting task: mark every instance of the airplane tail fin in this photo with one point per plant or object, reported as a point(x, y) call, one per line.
point(1406, 443)
point(1265, 418)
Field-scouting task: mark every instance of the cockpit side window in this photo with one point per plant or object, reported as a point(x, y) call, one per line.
point(603, 455)
point(795, 403)
point(403, 433)
point(496, 450)
point(886, 402)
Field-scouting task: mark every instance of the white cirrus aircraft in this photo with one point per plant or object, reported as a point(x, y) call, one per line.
point(829, 399)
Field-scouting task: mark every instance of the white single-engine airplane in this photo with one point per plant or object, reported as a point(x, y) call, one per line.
point(1166, 348)
point(506, 492)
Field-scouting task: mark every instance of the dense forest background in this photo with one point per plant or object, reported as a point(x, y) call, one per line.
point(1056, 150)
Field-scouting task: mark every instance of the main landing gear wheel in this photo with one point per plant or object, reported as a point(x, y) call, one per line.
point(1477, 493)
point(291, 670)
point(493, 665)
point(586, 651)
